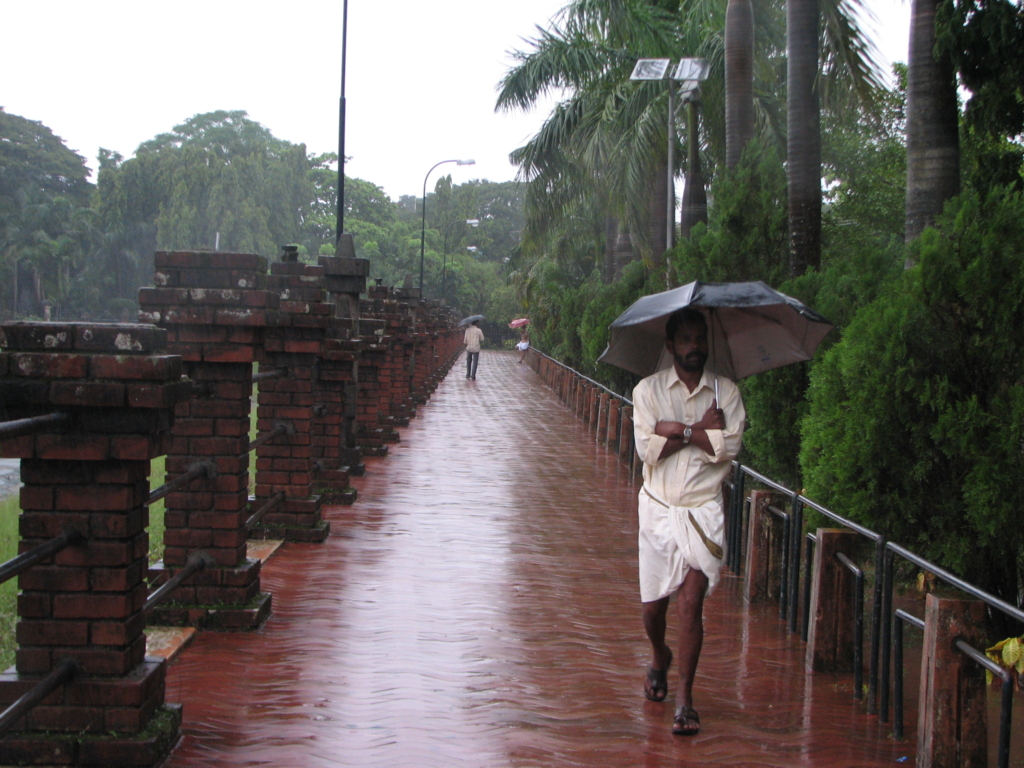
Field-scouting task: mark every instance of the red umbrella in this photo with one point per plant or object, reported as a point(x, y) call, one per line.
point(519, 323)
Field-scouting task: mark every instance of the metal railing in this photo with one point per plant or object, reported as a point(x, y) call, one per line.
point(26, 560)
point(858, 623)
point(271, 504)
point(197, 469)
point(64, 672)
point(621, 398)
point(276, 373)
point(1006, 697)
point(31, 425)
point(196, 562)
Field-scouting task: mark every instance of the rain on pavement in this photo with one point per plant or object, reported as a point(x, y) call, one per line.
point(478, 606)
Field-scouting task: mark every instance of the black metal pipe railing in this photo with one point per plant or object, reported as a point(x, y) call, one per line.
point(31, 425)
point(886, 630)
point(1006, 700)
point(858, 624)
point(196, 562)
point(900, 617)
point(796, 539)
point(589, 380)
point(271, 504)
point(812, 541)
point(276, 373)
point(784, 568)
point(26, 560)
point(266, 437)
point(205, 469)
point(64, 672)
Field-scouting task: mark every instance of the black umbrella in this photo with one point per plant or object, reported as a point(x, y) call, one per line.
point(752, 328)
point(470, 319)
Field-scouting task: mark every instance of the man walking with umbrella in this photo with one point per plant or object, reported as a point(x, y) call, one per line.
point(472, 339)
point(686, 437)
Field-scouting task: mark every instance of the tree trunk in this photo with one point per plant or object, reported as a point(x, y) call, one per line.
point(658, 213)
point(739, 79)
point(624, 253)
point(611, 234)
point(695, 198)
point(933, 142)
point(803, 140)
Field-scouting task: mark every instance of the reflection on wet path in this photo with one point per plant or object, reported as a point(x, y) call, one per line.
point(478, 607)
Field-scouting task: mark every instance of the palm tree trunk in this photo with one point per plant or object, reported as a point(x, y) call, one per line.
point(803, 140)
point(933, 142)
point(739, 79)
point(611, 234)
point(695, 197)
point(657, 212)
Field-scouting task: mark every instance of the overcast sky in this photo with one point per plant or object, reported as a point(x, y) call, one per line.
point(420, 85)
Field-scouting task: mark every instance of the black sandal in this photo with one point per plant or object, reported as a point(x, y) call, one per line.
point(656, 683)
point(685, 715)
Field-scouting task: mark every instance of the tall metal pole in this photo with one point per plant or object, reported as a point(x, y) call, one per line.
point(341, 127)
point(670, 195)
point(423, 227)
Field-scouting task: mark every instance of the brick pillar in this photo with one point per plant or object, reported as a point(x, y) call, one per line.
point(214, 308)
point(294, 343)
point(951, 725)
point(368, 433)
point(85, 603)
point(762, 575)
point(344, 280)
point(831, 632)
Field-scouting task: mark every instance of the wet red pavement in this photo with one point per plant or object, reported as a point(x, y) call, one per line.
point(478, 607)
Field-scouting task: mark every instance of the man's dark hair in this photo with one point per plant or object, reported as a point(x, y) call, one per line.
point(684, 316)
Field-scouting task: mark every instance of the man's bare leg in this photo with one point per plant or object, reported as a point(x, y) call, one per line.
point(690, 605)
point(655, 615)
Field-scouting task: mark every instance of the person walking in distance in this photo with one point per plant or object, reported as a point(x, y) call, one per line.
point(472, 340)
point(686, 439)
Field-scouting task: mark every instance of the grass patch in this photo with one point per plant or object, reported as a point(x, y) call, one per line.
point(10, 509)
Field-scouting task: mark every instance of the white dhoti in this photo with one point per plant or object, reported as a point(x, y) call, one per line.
point(675, 539)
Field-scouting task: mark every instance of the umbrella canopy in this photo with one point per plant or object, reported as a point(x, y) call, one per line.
point(751, 328)
point(519, 323)
point(470, 319)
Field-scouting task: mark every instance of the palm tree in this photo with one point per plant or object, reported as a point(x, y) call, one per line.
point(739, 79)
point(846, 67)
point(933, 142)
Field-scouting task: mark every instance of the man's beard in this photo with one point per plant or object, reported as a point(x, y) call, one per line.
point(692, 363)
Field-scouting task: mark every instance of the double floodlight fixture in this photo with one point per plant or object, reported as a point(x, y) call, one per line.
point(689, 73)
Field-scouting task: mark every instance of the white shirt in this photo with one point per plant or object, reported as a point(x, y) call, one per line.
point(472, 338)
point(689, 477)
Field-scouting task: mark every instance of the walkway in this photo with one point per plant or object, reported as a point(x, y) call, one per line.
point(478, 607)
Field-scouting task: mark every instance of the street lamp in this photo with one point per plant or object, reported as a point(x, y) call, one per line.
point(423, 228)
point(689, 73)
point(444, 260)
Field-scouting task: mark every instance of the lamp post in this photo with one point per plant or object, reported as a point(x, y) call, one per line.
point(444, 260)
point(423, 228)
point(689, 73)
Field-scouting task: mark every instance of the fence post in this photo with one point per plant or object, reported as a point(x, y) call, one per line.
point(830, 636)
point(951, 730)
point(90, 473)
point(762, 577)
point(215, 308)
point(626, 435)
point(612, 434)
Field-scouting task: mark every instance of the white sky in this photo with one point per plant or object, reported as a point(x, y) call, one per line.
point(420, 85)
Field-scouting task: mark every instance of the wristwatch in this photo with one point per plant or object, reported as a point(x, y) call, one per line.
point(687, 433)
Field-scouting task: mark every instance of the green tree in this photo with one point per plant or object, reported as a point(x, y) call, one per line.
point(917, 415)
point(46, 228)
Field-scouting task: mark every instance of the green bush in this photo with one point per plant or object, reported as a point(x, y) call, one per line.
point(916, 417)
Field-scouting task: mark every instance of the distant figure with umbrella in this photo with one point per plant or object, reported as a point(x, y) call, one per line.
point(524, 338)
point(688, 420)
point(472, 339)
